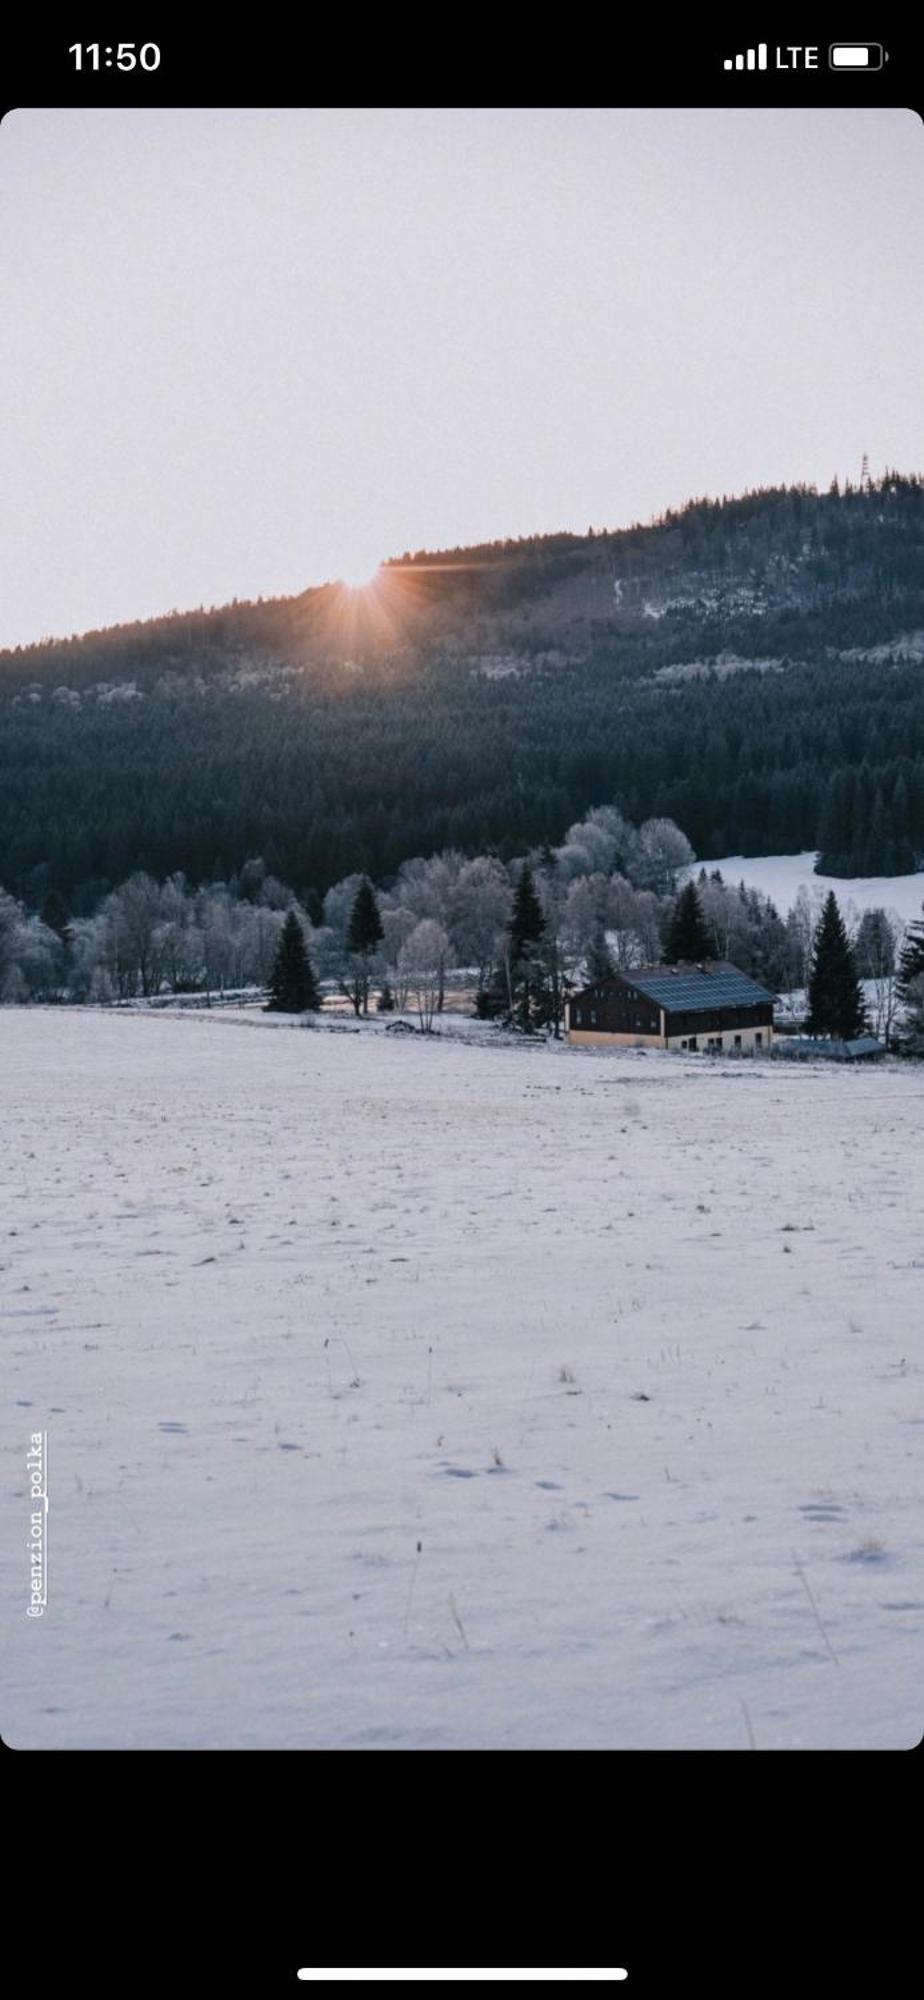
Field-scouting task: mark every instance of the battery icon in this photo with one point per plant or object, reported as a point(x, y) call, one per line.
point(856, 55)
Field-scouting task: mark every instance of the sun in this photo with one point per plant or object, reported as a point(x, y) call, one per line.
point(358, 575)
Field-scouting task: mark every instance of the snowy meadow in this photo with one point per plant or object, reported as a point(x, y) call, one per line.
point(453, 1391)
point(782, 876)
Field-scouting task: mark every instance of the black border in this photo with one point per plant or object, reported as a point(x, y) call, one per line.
point(409, 56)
point(222, 1871)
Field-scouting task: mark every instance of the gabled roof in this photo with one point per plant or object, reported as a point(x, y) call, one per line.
point(685, 989)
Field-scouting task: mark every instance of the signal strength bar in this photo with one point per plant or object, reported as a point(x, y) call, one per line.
point(752, 59)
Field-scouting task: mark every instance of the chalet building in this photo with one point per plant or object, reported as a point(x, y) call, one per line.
point(700, 1007)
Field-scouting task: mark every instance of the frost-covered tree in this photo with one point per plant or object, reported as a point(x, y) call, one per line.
point(397, 925)
point(87, 958)
point(874, 945)
point(422, 960)
point(10, 915)
point(132, 915)
point(913, 1034)
point(634, 918)
point(743, 925)
point(875, 950)
point(801, 925)
point(910, 985)
point(41, 960)
point(552, 948)
point(600, 844)
point(911, 963)
point(177, 943)
point(663, 853)
point(216, 931)
point(258, 928)
point(427, 887)
point(427, 883)
point(479, 912)
point(584, 913)
point(338, 905)
point(14, 991)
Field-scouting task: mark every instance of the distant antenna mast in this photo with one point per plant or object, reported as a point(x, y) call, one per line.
point(864, 470)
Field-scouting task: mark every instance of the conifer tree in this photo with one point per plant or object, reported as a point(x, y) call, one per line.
point(364, 935)
point(527, 922)
point(524, 936)
point(55, 915)
point(599, 957)
point(687, 935)
point(911, 967)
point(293, 988)
point(834, 992)
point(911, 963)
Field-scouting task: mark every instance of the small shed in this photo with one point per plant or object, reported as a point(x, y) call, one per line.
point(862, 1048)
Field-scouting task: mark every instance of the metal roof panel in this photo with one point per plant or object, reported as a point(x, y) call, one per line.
point(691, 988)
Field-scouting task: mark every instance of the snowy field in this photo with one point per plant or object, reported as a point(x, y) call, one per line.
point(781, 876)
point(454, 1392)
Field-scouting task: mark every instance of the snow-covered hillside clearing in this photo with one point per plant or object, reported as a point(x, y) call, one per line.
point(443, 1392)
point(781, 876)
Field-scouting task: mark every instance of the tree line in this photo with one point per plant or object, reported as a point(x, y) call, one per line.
point(514, 937)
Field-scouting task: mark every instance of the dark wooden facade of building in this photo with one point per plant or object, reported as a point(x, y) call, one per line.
point(711, 1006)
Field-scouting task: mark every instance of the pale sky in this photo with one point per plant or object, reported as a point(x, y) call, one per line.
point(242, 352)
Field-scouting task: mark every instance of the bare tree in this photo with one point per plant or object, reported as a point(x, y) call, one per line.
point(664, 852)
point(40, 961)
point(634, 920)
point(877, 946)
point(398, 924)
point(601, 843)
point(10, 916)
point(479, 912)
point(426, 887)
point(132, 915)
point(422, 960)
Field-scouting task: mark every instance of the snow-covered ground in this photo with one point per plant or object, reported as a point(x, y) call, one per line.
point(406, 1392)
point(781, 876)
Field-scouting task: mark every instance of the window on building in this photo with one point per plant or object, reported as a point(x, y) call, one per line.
point(737, 1041)
point(593, 1017)
point(758, 1040)
point(577, 1016)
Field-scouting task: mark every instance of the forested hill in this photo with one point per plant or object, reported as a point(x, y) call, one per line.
point(751, 668)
